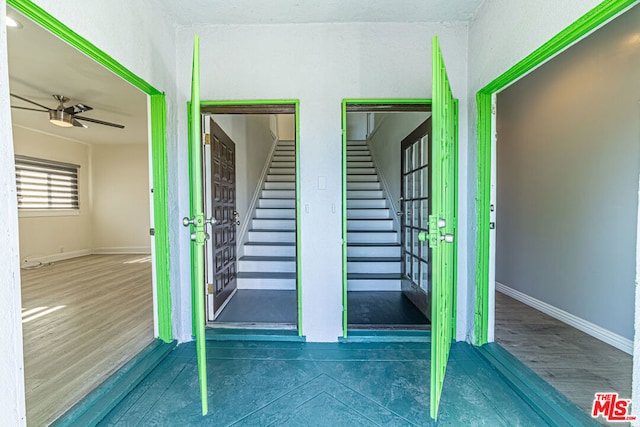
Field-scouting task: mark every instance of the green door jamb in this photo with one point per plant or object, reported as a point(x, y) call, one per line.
point(296, 104)
point(158, 149)
point(345, 102)
point(590, 21)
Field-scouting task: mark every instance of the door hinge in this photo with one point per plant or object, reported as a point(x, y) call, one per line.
point(492, 225)
point(207, 139)
point(152, 232)
point(210, 289)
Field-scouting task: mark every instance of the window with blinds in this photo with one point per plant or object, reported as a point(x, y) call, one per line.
point(45, 184)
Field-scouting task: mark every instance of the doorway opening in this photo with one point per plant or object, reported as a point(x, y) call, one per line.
point(386, 204)
point(250, 185)
point(89, 280)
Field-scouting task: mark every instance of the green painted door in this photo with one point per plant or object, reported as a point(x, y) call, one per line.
point(197, 225)
point(442, 223)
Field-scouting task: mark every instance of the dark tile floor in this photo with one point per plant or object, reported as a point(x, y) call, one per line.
point(311, 384)
point(383, 309)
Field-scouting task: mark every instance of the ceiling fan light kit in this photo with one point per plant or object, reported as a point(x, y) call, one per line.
point(59, 118)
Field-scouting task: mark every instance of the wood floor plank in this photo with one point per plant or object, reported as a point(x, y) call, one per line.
point(575, 363)
point(83, 318)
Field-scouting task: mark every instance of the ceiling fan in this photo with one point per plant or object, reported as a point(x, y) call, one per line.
point(65, 116)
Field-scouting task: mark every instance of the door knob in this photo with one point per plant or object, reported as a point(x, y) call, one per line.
point(448, 238)
point(211, 221)
point(186, 221)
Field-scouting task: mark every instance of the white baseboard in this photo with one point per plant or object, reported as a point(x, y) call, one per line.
point(142, 250)
point(611, 338)
point(35, 261)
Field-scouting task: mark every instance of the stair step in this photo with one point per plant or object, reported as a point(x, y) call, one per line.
point(275, 164)
point(286, 143)
point(356, 165)
point(272, 236)
point(365, 194)
point(383, 213)
point(283, 158)
point(280, 185)
point(374, 282)
point(267, 264)
point(277, 203)
point(285, 151)
point(374, 250)
point(273, 224)
point(356, 142)
point(361, 171)
point(270, 249)
point(281, 178)
point(355, 148)
point(366, 203)
point(369, 224)
point(366, 185)
point(372, 237)
point(278, 194)
point(275, 213)
point(282, 171)
point(373, 266)
point(362, 178)
point(266, 280)
point(358, 158)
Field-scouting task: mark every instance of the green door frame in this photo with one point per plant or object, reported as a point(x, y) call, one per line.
point(589, 22)
point(362, 101)
point(158, 150)
point(265, 102)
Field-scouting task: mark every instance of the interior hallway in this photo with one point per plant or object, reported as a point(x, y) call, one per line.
point(82, 319)
point(575, 363)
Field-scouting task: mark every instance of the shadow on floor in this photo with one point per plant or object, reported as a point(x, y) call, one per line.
point(387, 309)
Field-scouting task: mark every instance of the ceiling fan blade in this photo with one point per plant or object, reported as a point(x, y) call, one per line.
point(78, 124)
point(30, 102)
point(30, 109)
point(81, 108)
point(100, 122)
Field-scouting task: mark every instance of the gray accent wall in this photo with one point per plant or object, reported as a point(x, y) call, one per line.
point(568, 161)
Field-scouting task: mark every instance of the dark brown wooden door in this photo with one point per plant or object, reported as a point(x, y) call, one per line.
point(415, 208)
point(222, 196)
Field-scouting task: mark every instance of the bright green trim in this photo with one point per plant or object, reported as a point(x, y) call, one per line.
point(158, 149)
point(344, 219)
point(456, 216)
point(296, 104)
point(161, 214)
point(590, 21)
point(345, 102)
point(298, 222)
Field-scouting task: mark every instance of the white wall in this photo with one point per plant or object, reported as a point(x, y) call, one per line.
point(501, 33)
point(357, 126)
point(319, 64)
point(46, 236)
point(120, 194)
point(286, 127)
point(12, 402)
point(386, 148)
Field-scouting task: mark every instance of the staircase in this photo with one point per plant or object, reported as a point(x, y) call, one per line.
point(269, 260)
point(373, 242)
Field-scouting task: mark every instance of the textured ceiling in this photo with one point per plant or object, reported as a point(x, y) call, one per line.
point(41, 65)
point(308, 11)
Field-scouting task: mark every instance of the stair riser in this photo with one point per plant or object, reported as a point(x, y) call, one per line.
point(373, 267)
point(275, 213)
point(358, 158)
point(277, 203)
point(285, 143)
point(363, 224)
point(274, 224)
point(281, 178)
point(269, 236)
point(282, 171)
point(367, 204)
point(362, 178)
point(283, 164)
point(271, 284)
point(278, 194)
point(368, 213)
point(362, 171)
point(267, 266)
point(270, 250)
point(390, 237)
point(284, 158)
point(351, 165)
point(374, 285)
point(284, 185)
point(364, 194)
point(372, 251)
point(364, 185)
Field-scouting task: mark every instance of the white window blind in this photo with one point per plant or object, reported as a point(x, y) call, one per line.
point(46, 184)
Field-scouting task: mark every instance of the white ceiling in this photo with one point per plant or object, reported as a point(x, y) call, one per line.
point(308, 11)
point(41, 65)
